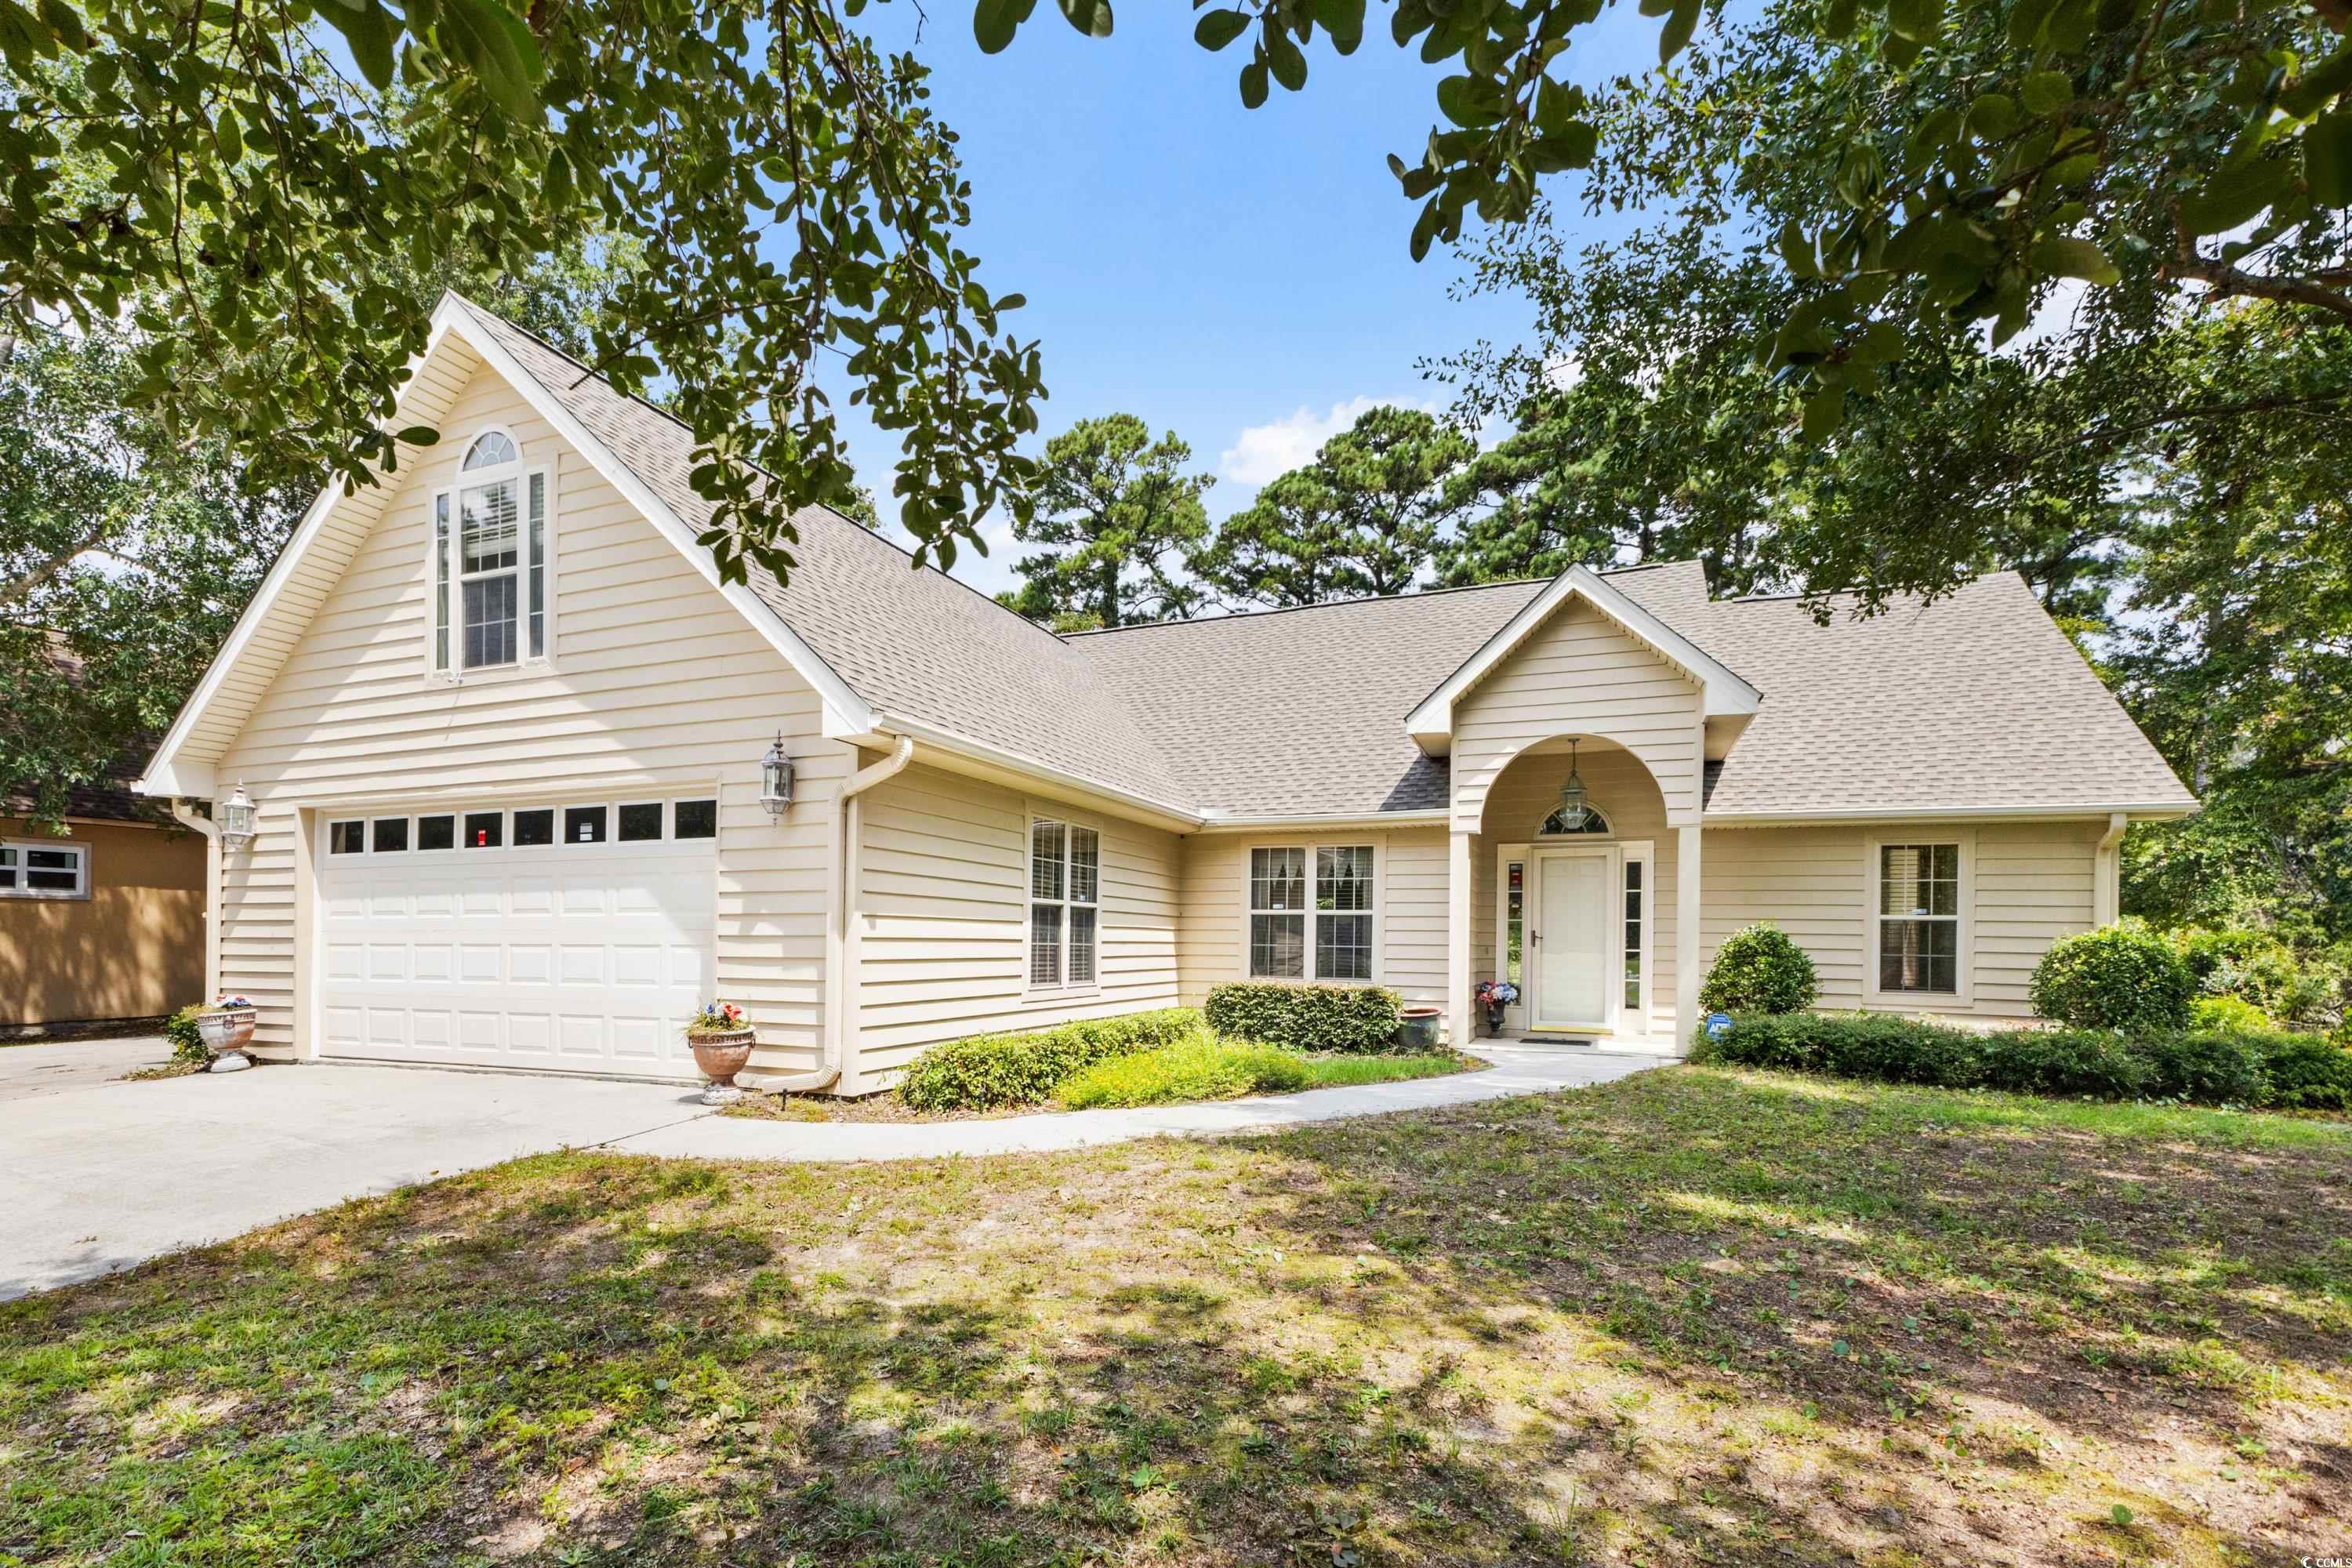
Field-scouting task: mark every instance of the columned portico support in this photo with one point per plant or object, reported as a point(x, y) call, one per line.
point(1460, 1023)
point(1686, 977)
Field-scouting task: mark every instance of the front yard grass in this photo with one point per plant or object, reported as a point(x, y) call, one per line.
point(1693, 1317)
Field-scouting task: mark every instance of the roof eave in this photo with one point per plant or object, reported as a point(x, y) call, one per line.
point(2137, 811)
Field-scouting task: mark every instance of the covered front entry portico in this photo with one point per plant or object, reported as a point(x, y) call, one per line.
point(1578, 915)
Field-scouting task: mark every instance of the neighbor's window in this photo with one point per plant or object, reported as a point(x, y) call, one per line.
point(1064, 898)
point(44, 871)
point(1919, 917)
point(1329, 921)
point(489, 572)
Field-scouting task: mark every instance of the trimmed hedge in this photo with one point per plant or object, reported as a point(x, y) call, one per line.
point(987, 1072)
point(2121, 976)
point(1759, 969)
point(1346, 1019)
point(2247, 1068)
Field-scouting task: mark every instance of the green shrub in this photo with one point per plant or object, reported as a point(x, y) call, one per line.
point(179, 1028)
point(1201, 1065)
point(2121, 976)
point(2306, 1072)
point(2228, 1013)
point(2262, 972)
point(987, 1072)
point(1349, 1019)
point(1851, 1045)
point(1760, 969)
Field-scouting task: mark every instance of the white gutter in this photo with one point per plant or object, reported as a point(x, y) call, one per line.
point(841, 927)
point(2107, 872)
point(186, 816)
point(1179, 818)
point(2148, 810)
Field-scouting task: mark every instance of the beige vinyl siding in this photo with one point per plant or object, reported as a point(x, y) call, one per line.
point(657, 685)
point(2030, 884)
point(940, 932)
point(1580, 674)
point(1409, 935)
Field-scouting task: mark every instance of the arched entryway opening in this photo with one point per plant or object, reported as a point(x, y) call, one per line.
point(1577, 915)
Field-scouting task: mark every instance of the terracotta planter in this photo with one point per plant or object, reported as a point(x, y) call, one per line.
point(226, 1032)
point(722, 1057)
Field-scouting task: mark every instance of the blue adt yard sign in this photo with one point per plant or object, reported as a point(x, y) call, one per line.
point(1717, 1025)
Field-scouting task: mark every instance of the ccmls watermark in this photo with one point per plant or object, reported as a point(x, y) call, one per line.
point(2326, 1562)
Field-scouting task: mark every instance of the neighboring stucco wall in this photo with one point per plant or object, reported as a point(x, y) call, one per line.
point(2030, 884)
point(1621, 788)
point(1409, 924)
point(657, 682)
point(1580, 674)
point(940, 929)
point(133, 949)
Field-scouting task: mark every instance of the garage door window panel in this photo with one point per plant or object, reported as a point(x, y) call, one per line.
point(586, 823)
point(389, 835)
point(347, 838)
point(437, 832)
point(641, 821)
point(485, 829)
point(535, 828)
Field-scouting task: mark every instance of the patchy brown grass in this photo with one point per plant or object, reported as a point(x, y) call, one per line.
point(1694, 1317)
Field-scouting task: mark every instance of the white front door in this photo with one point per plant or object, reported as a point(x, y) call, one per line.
point(578, 955)
point(1574, 941)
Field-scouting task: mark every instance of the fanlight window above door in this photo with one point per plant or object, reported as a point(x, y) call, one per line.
point(1556, 825)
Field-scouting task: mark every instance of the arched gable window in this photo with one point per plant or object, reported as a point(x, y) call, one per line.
point(1556, 825)
point(490, 569)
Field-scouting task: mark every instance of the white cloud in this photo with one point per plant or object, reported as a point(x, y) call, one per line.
point(1262, 453)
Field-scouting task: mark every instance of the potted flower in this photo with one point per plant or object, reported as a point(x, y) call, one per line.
point(722, 1042)
point(226, 1028)
point(1493, 996)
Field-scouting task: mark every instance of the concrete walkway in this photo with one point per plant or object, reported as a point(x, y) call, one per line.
point(101, 1177)
point(1517, 1069)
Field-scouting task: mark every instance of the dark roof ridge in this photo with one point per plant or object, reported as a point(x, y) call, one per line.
point(1294, 609)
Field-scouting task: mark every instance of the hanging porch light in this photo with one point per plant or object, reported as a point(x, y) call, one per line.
point(1574, 809)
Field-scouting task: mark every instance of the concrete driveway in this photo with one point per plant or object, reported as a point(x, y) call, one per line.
point(97, 1176)
point(50, 1066)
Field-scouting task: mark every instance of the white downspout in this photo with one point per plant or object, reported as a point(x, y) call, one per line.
point(186, 816)
point(841, 935)
point(2106, 873)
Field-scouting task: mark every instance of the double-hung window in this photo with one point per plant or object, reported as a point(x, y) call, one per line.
point(1918, 918)
point(1065, 903)
point(1310, 913)
point(489, 572)
point(44, 871)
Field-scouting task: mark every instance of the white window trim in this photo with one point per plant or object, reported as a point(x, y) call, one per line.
point(1063, 986)
point(1963, 994)
point(440, 551)
point(83, 878)
point(1642, 852)
point(330, 817)
point(1378, 845)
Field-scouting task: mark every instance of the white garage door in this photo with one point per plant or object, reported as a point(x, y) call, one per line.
point(563, 939)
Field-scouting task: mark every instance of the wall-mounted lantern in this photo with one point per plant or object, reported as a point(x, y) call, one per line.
point(237, 820)
point(776, 779)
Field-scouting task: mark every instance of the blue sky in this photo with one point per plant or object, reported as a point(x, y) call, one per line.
point(1235, 276)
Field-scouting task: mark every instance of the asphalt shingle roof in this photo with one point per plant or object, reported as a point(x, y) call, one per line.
point(1976, 702)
